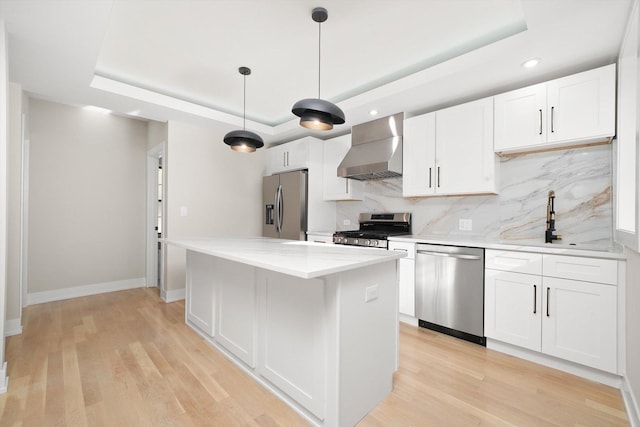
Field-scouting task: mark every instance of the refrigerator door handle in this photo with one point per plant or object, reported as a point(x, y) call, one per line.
point(276, 203)
point(279, 209)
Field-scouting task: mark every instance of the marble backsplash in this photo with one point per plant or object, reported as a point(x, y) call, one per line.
point(581, 179)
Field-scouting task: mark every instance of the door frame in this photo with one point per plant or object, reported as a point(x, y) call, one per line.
point(151, 271)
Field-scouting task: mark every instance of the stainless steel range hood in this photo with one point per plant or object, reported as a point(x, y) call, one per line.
point(376, 150)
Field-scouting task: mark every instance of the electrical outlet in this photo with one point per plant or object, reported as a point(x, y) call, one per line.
point(465, 225)
point(346, 222)
point(371, 293)
point(183, 211)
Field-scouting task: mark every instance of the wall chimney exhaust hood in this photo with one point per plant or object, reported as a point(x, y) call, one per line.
point(376, 150)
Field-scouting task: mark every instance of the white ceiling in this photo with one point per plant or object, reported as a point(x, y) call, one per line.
point(164, 60)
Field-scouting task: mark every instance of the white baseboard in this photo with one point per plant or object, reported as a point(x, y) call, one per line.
point(592, 374)
point(630, 403)
point(83, 291)
point(172, 295)
point(12, 327)
point(4, 379)
point(404, 318)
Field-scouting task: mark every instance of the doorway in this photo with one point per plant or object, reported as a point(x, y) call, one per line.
point(155, 218)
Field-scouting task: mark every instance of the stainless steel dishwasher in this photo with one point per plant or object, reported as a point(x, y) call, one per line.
point(450, 290)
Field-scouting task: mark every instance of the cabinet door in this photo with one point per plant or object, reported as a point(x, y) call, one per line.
point(287, 157)
point(335, 187)
point(465, 160)
point(200, 290)
point(406, 277)
point(579, 322)
point(520, 118)
point(407, 287)
point(276, 159)
point(582, 106)
point(512, 308)
point(236, 310)
point(418, 156)
point(297, 155)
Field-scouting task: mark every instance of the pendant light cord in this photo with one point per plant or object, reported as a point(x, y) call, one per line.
point(244, 102)
point(319, 50)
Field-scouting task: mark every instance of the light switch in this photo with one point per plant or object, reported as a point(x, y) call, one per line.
point(183, 211)
point(346, 222)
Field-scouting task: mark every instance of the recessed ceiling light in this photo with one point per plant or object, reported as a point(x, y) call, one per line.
point(373, 112)
point(531, 63)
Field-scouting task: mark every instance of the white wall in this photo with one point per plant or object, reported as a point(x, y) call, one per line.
point(87, 200)
point(3, 194)
point(156, 134)
point(632, 321)
point(14, 208)
point(220, 188)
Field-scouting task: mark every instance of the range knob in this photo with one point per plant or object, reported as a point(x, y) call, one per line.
point(374, 243)
point(367, 242)
point(355, 241)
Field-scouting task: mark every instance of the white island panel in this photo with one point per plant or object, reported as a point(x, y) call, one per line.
point(236, 307)
point(293, 338)
point(323, 337)
point(200, 298)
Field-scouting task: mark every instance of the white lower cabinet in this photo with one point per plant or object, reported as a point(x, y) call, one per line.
point(575, 320)
point(580, 322)
point(293, 338)
point(406, 277)
point(512, 308)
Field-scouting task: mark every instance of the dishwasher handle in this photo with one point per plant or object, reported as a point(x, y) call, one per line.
point(444, 254)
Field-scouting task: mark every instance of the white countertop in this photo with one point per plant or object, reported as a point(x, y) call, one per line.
point(544, 248)
point(296, 258)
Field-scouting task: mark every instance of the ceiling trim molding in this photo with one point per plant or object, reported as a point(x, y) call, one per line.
point(125, 89)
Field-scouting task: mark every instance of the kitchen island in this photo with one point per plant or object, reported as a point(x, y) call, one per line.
point(316, 324)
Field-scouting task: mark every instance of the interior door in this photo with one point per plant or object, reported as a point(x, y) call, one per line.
point(294, 205)
point(269, 202)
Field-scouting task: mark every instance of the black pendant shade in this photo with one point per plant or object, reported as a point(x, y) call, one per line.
point(243, 140)
point(316, 113)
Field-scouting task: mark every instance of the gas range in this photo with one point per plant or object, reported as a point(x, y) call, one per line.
point(375, 229)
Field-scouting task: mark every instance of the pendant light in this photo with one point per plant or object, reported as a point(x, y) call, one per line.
point(243, 140)
point(316, 113)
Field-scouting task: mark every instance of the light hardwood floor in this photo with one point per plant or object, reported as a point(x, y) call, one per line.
point(127, 359)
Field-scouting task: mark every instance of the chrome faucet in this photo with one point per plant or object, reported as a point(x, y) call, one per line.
point(549, 237)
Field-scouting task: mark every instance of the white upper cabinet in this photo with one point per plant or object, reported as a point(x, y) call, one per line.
point(450, 151)
point(519, 118)
point(465, 161)
point(290, 156)
point(419, 156)
point(335, 187)
point(572, 110)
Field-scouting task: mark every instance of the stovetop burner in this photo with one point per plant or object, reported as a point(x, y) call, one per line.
point(375, 229)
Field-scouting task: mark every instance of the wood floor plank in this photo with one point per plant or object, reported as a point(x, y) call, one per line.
point(127, 359)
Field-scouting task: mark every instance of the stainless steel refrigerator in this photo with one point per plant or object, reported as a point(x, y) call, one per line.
point(284, 200)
